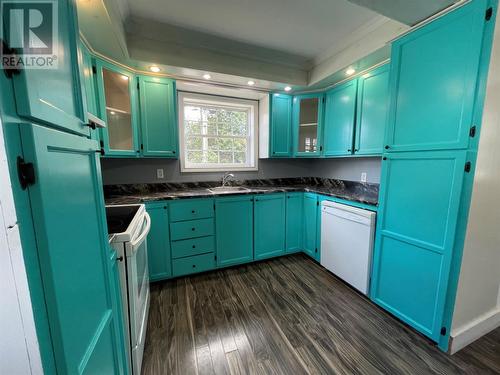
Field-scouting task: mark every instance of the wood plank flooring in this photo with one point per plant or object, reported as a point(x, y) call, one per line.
point(289, 316)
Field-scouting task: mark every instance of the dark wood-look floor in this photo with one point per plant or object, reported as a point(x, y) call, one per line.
point(289, 316)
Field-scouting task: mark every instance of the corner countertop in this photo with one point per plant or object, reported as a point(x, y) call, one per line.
point(364, 193)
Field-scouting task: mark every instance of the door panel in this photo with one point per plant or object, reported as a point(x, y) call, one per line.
point(433, 80)
point(419, 204)
point(234, 230)
point(310, 224)
point(294, 222)
point(308, 124)
point(340, 111)
point(281, 125)
point(158, 116)
point(68, 214)
point(269, 225)
point(372, 106)
point(159, 242)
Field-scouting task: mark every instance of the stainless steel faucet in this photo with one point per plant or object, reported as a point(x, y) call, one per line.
point(227, 176)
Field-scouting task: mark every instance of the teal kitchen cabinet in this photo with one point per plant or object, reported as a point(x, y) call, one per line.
point(310, 225)
point(433, 82)
point(294, 222)
point(118, 109)
point(281, 125)
point(371, 113)
point(53, 95)
point(89, 84)
point(67, 207)
point(340, 116)
point(234, 230)
point(269, 225)
point(159, 253)
point(158, 116)
point(307, 123)
point(419, 202)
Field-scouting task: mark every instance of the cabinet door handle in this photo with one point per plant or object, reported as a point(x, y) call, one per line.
point(194, 246)
point(194, 265)
point(193, 229)
point(193, 211)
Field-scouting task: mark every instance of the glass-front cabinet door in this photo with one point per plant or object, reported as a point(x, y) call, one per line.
point(117, 101)
point(308, 118)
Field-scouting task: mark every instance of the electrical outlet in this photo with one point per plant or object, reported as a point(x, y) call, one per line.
point(159, 173)
point(363, 177)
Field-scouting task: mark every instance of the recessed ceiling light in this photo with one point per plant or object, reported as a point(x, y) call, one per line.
point(288, 88)
point(350, 71)
point(154, 69)
point(125, 78)
point(207, 76)
point(251, 83)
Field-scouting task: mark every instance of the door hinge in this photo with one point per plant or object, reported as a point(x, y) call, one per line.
point(316, 250)
point(25, 172)
point(6, 51)
point(443, 331)
point(472, 132)
point(489, 13)
point(467, 167)
point(215, 257)
point(94, 70)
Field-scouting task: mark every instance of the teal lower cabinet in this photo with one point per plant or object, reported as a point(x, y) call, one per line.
point(234, 230)
point(269, 225)
point(419, 204)
point(193, 264)
point(294, 222)
point(310, 242)
point(159, 261)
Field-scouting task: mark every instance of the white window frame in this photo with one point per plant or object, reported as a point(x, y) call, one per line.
point(253, 107)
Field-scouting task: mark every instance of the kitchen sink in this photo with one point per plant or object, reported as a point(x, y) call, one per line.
point(228, 189)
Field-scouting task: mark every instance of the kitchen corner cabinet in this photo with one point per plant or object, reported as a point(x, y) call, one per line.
point(118, 109)
point(294, 222)
point(158, 116)
point(281, 125)
point(234, 230)
point(159, 258)
point(310, 225)
point(269, 225)
point(340, 117)
point(371, 113)
point(307, 123)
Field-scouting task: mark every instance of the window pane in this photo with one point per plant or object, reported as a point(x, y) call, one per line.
point(195, 156)
point(194, 143)
point(240, 157)
point(192, 113)
point(212, 157)
point(240, 144)
point(193, 127)
point(226, 157)
point(225, 144)
point(213, 144)
point(224, 128)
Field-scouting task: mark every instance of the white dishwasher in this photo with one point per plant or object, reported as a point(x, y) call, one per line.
point(347, 235)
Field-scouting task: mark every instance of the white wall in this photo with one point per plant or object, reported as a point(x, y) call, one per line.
point(477, 308)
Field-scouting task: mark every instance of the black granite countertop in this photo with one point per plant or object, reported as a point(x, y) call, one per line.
point(366, 193)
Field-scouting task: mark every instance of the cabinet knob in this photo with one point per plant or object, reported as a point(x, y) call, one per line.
point(192, 211)
point(194, 246)
point(349, 150)
point(194, 265)
point(192, 229)
point(386, 147)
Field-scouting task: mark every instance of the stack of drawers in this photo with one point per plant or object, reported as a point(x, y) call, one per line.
point(192, 236)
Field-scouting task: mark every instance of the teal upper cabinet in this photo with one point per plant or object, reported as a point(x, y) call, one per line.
point(269, 225)
point(435, 68)
point(52, 96)
point(234, 230)
point(159, 254)
point(307, 122)
point(158, 116)
point(340, 110)
point(294, 222)
point(310, 224)
point(372, 105)
point(117, 102)
point(89, 84)
point(281, 125)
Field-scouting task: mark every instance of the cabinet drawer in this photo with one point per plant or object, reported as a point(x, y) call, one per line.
point(197, 263)
point(193, 246)
point(191, 229)
point(191, 209)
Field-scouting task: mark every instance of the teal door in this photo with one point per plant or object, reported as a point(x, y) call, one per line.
point(72, 246)
point(372, 107)
point(234, 230)
point(118, 108)
point(88, 82)
point(419, 202)
point(269, 225)
point(52, 96)
point(307, 124)
point(159, 255)
point(340, 115)
point(158, 116)
point(310, 224)
point(281, 125)
point(294, 222)
point(433, 82)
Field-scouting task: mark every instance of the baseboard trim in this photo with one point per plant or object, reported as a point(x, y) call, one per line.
point(469, 333)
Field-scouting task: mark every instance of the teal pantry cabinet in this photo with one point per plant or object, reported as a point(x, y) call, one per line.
point(310, 225)
point(294, 222)
point(307, 123)
point(280, 125)
point(234, 230)
point(159, 258)
point(269, 225)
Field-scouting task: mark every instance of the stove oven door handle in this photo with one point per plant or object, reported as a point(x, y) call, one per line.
point(144, 233)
